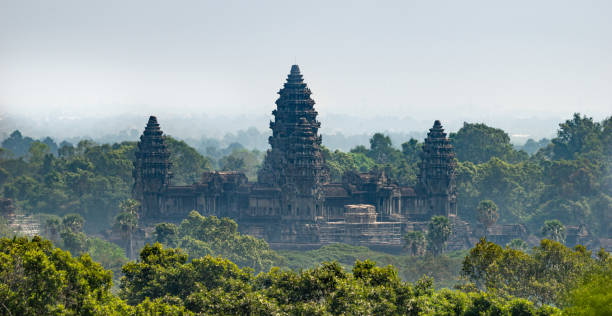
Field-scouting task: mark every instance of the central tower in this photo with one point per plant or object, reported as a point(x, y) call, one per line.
point(151, 170)
point(295, 162)
point(437, 173)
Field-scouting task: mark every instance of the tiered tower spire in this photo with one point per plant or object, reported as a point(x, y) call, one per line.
point(151, 168)
point(295, 162)
point(437, 173)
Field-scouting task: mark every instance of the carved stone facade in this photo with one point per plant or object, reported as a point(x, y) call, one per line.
point(294, 162)
point(151, 170)
point(293, 204)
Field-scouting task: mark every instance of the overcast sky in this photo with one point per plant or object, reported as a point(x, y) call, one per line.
point(426, 59)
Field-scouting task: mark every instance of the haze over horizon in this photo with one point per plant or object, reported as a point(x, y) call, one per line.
point(501, 64)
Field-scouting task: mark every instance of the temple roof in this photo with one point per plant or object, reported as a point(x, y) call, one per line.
point(335, 190)
point(152, 121)
point(152, 150)
point(295, 156)
point(295, 69)
point(407, 191)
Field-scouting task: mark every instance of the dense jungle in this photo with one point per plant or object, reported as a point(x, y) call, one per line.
point(78, 194)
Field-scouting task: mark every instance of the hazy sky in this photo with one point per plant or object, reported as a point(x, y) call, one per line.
point(438, 59)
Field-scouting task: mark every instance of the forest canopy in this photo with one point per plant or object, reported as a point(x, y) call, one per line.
point(569, 179)
point(205, 265)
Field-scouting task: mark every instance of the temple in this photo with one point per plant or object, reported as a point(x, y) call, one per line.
point(294, 204)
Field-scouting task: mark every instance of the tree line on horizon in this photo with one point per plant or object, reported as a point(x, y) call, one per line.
point(569, 179)
point(205, 266)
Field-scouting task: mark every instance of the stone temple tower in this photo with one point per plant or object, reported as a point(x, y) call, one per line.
point(151, 170)
point(295, 162)
point(436, 179)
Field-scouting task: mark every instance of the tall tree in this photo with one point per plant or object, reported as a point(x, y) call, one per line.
point(478, 143)
point(554, 230)
point(38, 279)
point(127, 221)
point(518, 244)
point(576, 136)
point(411, 150)
point(166, 233)
point(73, 222)
point(381, 148)
point(487, 213)
point(439, 230)
point(17, 144)
point(187, 163)
point(415, 242)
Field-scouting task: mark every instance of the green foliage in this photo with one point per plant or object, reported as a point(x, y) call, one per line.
point(415, 242)
point(411, 151)
point(531, 146)
point(515, 188)
point(438, 232)
point(109, 255)
point(478, 143)
point(17, 144)
point(200, 236)
point(340, 162)
point(399, 165)
point(577, 136)
point(75, 242)
point(166, 233)
point(126, 224)
point(158, 307)
point(164, 273)
point(244, 161)
point(593, 295)
point(5, 229)
point(73, 222)
point(445, 269)
point(518, 244)
point(130, 206)
point(67, 233)
point(89, 180)
point(544, 276)
point(216, 286)
point(381, 149)
point(187, 164)
point(554, 230)
point(529, 190)
point(487, 212)
point(570, 180)
point(37, 279)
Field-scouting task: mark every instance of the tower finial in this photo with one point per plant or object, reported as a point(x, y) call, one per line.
point(152, 120)
point(295, 69)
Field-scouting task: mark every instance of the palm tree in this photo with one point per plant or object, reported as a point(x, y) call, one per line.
point(126, 223)
point(487, 213)
point(166, 233)
point(415, 242)
point(439, 230)
point(518, 244)
point(73, 222)
point(554, 230)
point(52, 228)
point(130, 205)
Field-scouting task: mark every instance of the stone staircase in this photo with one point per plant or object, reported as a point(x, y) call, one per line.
point(460, 237)
point(26, 225)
